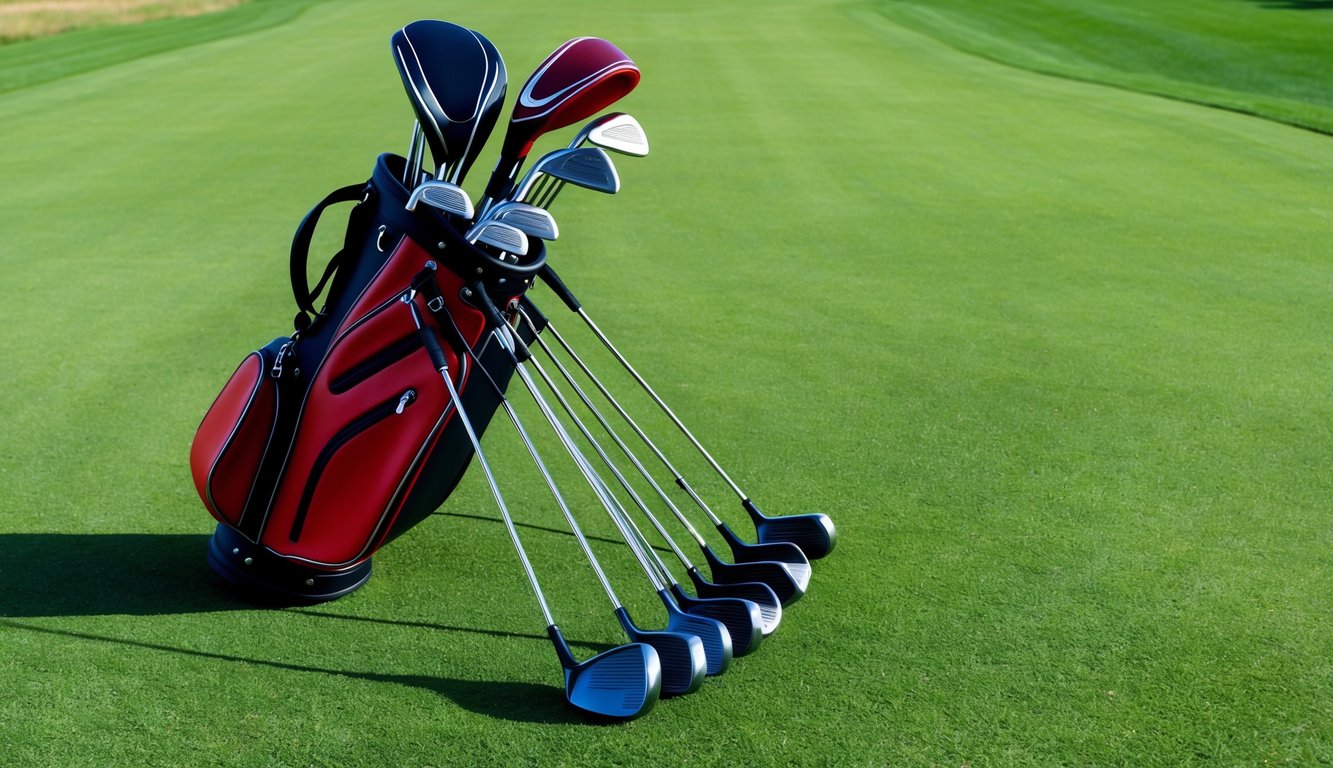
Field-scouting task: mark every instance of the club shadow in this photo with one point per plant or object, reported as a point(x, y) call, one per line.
point(544, 529)
point(587, 646)
point(503, 700)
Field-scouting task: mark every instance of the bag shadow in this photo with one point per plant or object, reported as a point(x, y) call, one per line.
point(80, 574)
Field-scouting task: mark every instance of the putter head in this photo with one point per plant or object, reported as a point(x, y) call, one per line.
point(496, 234)
point(762, 595)
point(442, 195)
point(783, 552)
point(712, 633)
point(769, 572)
point(587, 167)
point(622, 683)
point(618, 132)
point(535, 222)
point(812, 532)
point(744, 622)
point(682, 656)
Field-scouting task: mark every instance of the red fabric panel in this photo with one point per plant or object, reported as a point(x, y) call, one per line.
point(229, 444)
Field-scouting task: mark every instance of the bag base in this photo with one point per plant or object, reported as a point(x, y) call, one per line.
point(271, 579)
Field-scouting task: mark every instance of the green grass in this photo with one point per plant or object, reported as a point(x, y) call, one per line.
point(1264, 57)
point(1055, 356)
point(32, 62)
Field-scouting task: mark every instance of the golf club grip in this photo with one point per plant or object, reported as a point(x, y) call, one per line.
point(521, 352)
point(433, 348)
point(557, 285)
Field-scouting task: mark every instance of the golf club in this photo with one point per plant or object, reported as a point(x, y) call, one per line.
point(578, 79)
point(782, 566)
point(588, 167)
point(535, 222)
point(682, 656)
point(813, 530)
point(715, 636)
point(743, 618)
point(443, 195)
point(456, 81)
point(507, 238)
point(616, 131)
point(620, 683)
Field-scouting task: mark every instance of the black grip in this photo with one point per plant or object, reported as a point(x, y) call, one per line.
point(429, 341)
point(521, 351)
point(554, 282)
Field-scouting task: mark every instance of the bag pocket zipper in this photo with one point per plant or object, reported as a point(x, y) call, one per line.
point(391, 407)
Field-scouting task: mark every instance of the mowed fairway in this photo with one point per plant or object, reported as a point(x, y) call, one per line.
point(1054, 356)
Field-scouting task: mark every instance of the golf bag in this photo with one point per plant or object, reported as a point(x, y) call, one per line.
point(328, 443)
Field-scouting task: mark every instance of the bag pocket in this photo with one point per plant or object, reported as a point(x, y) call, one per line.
point(373, 410)
point(229, 445)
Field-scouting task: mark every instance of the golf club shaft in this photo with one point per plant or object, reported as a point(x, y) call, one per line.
point(441, 364)
point(413, 152)
point(620, 443)
point(615, 404)
point(616, 511)
point(666, 409)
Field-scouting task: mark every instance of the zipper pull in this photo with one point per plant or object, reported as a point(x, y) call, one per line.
point(405, 400)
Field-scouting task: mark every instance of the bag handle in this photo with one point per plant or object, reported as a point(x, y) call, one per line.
point(301, 291)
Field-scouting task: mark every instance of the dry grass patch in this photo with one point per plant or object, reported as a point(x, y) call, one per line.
point(27, 19)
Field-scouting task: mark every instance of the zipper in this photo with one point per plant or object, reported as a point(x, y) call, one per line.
point(365, 421)
point(375, 363)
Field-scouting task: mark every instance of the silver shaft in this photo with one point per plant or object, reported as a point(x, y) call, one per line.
point(490, 478)
point(618, 512)
point(560, 499)
point(629, 454)
point(413, 151)
point(615, 404)
point(661, 404)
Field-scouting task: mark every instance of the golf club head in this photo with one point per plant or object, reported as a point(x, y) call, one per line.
point(812, 532)
point(617, 132)
point(772, 573)
point(456, 81)
point(588, 167)
point(496, 234)
point(762, 595)
point(783, 552)
point(622, 683)
point(535, 222)
point(579, 79)
point(741, 617)
point(712, 633)
point(682, 656)
point(442, 195)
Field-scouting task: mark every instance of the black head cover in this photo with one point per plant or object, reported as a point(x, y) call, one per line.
point(456, 81)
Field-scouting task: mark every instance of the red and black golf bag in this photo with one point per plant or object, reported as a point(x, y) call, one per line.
point(326, 444)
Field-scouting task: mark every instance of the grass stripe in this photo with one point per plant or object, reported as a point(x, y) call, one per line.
point(32, 62)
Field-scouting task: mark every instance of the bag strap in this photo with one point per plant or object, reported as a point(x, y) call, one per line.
point(301, 291)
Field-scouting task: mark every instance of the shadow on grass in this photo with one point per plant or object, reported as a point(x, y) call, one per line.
point(1296, 5)
point(518, 702)
point(139, 574)
point(144, 574)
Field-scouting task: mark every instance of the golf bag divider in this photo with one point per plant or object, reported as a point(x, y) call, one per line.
point(327, 444)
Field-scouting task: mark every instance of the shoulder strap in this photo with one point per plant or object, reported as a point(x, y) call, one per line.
point(305, 297)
